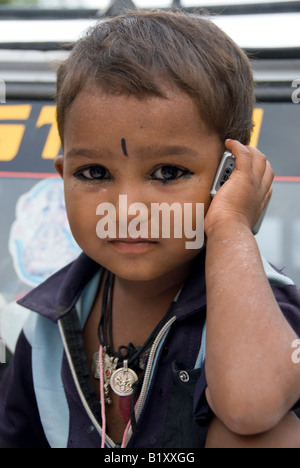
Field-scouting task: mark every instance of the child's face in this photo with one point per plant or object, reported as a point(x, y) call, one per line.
point(153, 150)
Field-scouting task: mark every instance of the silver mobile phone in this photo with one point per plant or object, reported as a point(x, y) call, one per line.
point(226, 168)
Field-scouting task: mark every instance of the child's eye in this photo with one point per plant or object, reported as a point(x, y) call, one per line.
point(95, 172)
point(169, 173)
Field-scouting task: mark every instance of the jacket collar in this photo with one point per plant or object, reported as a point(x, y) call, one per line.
point(58, 295)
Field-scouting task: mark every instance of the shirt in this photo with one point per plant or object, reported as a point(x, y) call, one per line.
point(47, 398)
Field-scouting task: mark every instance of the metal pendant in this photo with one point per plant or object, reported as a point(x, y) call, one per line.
point(122, 380)
point(109, 365)
point(95, 366)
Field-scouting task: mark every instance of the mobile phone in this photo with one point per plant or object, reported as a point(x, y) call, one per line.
point(226, 168)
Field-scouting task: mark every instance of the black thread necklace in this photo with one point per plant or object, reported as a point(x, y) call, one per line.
point(120, 367)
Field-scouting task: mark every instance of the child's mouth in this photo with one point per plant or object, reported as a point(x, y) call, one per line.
point(131, 245)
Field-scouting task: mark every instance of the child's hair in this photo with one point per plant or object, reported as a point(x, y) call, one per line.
point(143, 53)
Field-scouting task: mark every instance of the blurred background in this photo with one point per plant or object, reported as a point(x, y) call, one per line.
point(35, 35)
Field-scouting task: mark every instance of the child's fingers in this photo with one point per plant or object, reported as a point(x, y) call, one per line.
point(259, 162)
point(251, 160)
point(241, 153)
point(268, 176)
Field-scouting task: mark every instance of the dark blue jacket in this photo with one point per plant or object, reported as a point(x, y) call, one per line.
point(47, 398)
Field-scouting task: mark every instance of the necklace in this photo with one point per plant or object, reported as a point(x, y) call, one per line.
point(120, 367)
point(117, 370)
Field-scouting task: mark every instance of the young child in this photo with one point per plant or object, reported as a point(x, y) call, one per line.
point(143, 342)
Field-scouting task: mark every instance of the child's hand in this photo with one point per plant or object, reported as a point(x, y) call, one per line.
point(248, 337)
point(244, 196)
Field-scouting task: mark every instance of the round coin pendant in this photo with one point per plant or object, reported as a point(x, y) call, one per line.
point(122, 380)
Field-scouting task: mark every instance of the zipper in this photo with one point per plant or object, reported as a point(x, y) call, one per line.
point(148, 373)
point(81, 395)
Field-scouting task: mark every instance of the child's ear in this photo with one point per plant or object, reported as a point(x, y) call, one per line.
point(59, 165)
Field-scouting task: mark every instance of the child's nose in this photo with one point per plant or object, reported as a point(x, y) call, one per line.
point(136, 192)
point(128, 214)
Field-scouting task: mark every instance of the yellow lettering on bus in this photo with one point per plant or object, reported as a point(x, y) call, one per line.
point(257, 121)
point(52, 145)
point(11, 134)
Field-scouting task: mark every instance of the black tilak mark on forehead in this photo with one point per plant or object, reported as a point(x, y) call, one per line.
point(123, 144)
